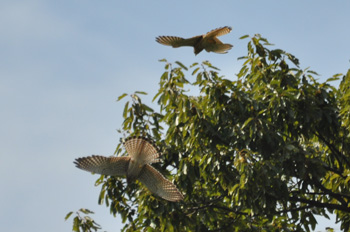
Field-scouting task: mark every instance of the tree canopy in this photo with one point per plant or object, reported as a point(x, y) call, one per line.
point(266, 151)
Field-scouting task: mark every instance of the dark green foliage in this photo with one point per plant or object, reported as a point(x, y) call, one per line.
point(265, 152)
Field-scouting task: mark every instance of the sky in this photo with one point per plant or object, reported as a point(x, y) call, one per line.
point(64, 63)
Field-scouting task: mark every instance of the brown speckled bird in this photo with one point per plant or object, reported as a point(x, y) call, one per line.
point(208, 41)
point(142, 152)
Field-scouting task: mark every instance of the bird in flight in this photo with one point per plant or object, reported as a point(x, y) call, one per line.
point(142, 152)
point(208, 41)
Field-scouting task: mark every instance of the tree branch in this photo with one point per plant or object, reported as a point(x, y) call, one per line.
point(339, 156)
point(320, 204)
point(333, 170)
point(210, 204)
point(337, 196)
point(295, 209)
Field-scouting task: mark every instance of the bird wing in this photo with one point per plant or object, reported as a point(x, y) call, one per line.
point(218, 48)
point(218, 32)
point(111, 166)
point(158, 184)
point(215, 45)
point(176, 42)
point(141, 149)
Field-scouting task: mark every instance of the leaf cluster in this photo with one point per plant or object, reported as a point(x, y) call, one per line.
point(83, 223)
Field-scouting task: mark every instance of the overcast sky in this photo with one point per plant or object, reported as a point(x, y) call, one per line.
point(64, 63)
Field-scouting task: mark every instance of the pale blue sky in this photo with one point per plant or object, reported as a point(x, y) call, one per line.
point(64, 63)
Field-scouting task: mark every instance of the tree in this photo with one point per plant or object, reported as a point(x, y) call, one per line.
point(265, 152)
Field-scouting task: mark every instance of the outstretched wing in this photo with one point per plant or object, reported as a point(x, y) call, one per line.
point(141, 149)
point(176, 42)
point(217, 46)
point(158, 184)
point(111, 166)
point(219, 32)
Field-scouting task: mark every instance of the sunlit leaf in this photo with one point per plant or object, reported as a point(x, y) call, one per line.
point(122, 96)
point(140, 92)
point(126, 109)
point(68, 215)
point(334, 78)
point(244, 36)
point(181, 65)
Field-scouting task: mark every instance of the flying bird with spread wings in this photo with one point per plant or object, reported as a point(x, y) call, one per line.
point(208, 41)
point(142, 152)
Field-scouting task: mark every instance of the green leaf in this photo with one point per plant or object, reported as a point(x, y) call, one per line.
point(147, 108)
point(140, 92)
point(193, 65)
point(164, 76)
point(195, 71)
point(86, 211)
point(126, 109)
point(244, 36)
point(68, 215)
point(334, 78)
point(247, 122)
point(76, 224)
point(313, 72)
point(122, 96)
point(169, 227)
point(181, 65)
point(242, 58)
